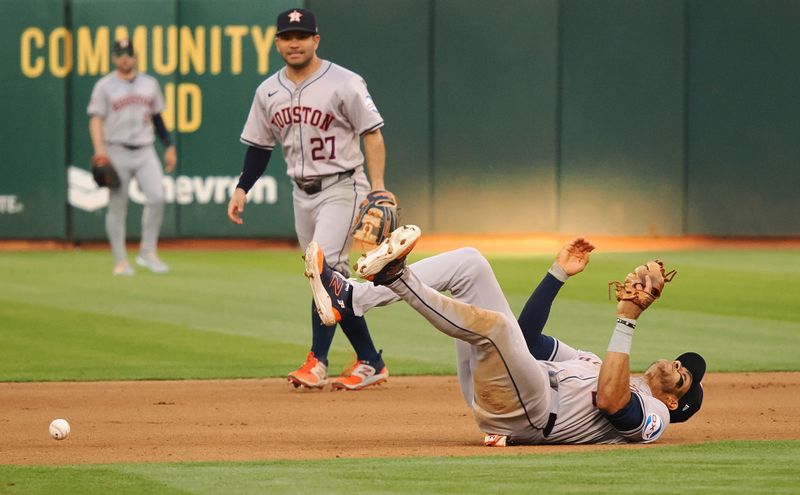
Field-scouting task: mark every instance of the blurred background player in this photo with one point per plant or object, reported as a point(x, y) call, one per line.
point(318, 112)
point(124, 111)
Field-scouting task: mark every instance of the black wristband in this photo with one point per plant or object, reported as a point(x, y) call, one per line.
point(627, 323)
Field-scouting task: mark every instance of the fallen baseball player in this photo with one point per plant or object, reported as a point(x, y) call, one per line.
point(524, 387)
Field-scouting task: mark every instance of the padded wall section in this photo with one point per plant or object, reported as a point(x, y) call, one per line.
point(622, 134)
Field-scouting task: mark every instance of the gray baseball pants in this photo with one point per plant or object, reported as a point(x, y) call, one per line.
point(144, 165)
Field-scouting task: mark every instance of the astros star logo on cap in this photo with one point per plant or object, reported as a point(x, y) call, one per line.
point(294, 16)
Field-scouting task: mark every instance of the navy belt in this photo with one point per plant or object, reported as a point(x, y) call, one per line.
point(133, 146)
point(314, 185)
point(551, 420)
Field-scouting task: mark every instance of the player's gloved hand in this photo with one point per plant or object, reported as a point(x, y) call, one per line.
point(103, 172)
point(376, 218)
point(641, 288)
point(236, 206)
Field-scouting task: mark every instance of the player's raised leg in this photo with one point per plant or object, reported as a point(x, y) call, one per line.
point(508, 381)
point(332, 234)
point(333, 295)
point(332, 292)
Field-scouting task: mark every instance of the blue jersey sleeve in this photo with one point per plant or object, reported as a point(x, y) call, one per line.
point(534, 316)
point(255, 163)
point(629, 417)
point(642, 420)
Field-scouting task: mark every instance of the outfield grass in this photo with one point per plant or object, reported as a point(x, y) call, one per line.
point(224, 314)
point(724, 467)
point(245, 314)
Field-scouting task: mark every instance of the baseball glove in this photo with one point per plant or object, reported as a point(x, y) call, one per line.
point(104, 173)
point(376, 219)
point(644, 285)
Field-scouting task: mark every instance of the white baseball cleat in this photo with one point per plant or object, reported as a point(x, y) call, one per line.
point(328, 287)
point(152, 263)
point(384, 264)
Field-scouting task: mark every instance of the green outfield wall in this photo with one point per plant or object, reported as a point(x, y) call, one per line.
point(623, 117)
point(35, 138)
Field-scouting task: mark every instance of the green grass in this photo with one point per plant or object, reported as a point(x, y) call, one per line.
point(245, 314)
point(218, 314)
point(724, 467)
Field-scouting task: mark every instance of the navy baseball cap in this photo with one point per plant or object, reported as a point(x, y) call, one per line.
point(123, 47)
point(693, 398)
point(296, 20)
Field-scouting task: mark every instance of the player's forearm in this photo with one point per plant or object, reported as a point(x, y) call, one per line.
point(255, 163)
point(534, 314)
point(375, 154)
point(161, 130)
point(613, 383)
point(96, 134)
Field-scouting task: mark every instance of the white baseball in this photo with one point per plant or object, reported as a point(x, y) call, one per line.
point(59, 429)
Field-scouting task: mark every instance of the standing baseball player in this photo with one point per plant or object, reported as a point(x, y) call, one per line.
point(517, 397)
point(318, 112)
point(124, 110)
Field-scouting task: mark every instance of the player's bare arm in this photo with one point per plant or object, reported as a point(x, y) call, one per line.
point(236, 206)
point(613, 383)
point(96, 133)
point(574, 256)
point(170, 158)
point(375, 154)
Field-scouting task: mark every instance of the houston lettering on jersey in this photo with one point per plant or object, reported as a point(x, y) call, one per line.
point(133, 99)
point(301, 115)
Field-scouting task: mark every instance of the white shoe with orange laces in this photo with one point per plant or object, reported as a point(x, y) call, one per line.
point(329, 288)
point(386, 263)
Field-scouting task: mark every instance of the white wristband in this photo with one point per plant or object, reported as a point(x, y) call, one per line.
point(622, 338)
point(558, 272)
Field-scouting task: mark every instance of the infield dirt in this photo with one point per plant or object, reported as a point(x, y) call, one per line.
point(217, 420)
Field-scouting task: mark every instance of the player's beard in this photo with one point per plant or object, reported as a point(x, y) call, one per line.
point(298, 66)
point(661, 379)
point(126, 69)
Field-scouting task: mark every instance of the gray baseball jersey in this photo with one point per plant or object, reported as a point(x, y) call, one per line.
point(509, 391)
point(127, 108)
point(579, 420)
point(318, 123)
